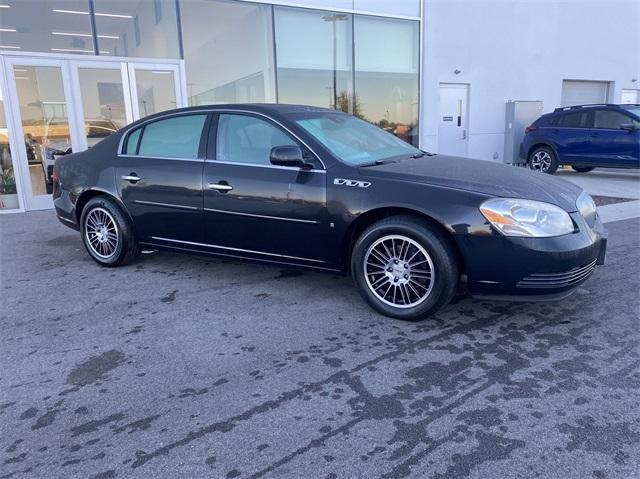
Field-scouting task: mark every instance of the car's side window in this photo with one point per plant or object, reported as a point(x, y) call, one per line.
point(175, 137)
point(611, 119)
point(131, 147)
point(247, 139)
point(581, 119)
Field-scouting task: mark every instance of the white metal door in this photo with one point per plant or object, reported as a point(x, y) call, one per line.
point(453, 129)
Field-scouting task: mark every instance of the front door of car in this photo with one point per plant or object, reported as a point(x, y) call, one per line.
point(613, 145)
point(253, 208)
point(571, 135)
point(160, 178)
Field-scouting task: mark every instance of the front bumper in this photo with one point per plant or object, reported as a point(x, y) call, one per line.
point(533, 268)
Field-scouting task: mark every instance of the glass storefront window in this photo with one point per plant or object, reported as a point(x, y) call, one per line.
point(102, 102)
point(8, 189)
point(387, 74)
point(228, 52)
point(63, 26)
point(409, 8)
point(137, 28)
point(156, 91)
point(314, 58)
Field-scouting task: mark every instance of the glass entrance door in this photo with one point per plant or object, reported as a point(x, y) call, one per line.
point(59, 106)
point(41, 94)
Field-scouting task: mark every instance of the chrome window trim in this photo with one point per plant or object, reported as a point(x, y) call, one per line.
point(235, 249)
point(209, 111)
point(281, 218)
point(255, 165)
point(166, 205)
point(200, 160)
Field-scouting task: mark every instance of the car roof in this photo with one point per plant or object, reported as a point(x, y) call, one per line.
point(590, 106)
point(277, 108)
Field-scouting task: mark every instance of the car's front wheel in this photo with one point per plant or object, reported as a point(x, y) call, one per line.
point(543, 159)
point(107, 233)
point(405, 268)
point(582, 169)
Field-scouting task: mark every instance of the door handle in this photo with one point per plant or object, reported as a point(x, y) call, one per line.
point(131, 177)
point(464, 134)
point(222, 186)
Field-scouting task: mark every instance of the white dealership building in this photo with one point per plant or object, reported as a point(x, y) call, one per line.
point(438, 73)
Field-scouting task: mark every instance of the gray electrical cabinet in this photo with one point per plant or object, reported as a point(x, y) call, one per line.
point(519, 115)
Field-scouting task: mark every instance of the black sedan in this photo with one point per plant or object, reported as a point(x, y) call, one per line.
point(315, 188)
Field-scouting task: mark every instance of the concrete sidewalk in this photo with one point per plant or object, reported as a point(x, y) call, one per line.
point(613, 183)
point(616, 183)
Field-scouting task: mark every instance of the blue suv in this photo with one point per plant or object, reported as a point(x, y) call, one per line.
point(584, 136)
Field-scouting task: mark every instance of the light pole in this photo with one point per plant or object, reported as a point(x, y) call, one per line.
point(333, 18)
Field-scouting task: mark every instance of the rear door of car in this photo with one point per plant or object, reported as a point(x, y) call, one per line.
point(571, 134)
point(613, 145)
point(160, 177)
point(256, 209)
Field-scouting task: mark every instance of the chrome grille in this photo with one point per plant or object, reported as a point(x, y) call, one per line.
point(557, 280)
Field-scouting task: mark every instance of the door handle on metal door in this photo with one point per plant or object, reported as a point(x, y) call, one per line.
point(222, 186)
point(464, 134)
point(132, 177)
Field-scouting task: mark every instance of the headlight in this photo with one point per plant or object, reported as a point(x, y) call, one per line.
point(535, 219)
point(587, 208)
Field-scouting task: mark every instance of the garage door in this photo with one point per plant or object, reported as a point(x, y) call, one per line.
point(576, 92)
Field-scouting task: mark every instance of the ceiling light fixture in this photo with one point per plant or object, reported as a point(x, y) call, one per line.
point(69, 34)
point(8, 30)
point(5, 6)
point(22, 78)
point(80, 12)
point(78, 50)
point(7, 47)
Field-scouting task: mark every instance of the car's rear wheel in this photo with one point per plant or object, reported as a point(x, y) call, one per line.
point(405, 268)
point(107, 233)
point(582, 169)
point(543, 159)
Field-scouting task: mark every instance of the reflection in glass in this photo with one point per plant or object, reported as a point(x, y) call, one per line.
point(8, 190)
point(102, 103)
point(314, 58)
point(45, 125)
point(409, 8)
point(156, 91)
point(228, 52)
point(386, 75)
point(137, 28)
point(45, 26)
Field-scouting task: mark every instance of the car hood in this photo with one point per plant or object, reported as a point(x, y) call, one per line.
point(486, 177)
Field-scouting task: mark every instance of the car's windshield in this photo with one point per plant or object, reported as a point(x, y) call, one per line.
point(354, 141)
point(635, 109)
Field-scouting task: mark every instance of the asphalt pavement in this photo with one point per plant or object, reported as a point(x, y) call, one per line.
point(187, 367)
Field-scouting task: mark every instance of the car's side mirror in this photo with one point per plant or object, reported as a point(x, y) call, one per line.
point(288, 155)
point(628, 127)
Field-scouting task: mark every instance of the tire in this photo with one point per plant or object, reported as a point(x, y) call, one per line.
point(582, 169)
point(112, 242)
point(543, 159)
point(421, 294)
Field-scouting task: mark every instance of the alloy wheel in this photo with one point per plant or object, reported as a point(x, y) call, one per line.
point(541, 161)
point(399, 271)
point(101, 233)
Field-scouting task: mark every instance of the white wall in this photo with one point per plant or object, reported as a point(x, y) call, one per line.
point(522, 50)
